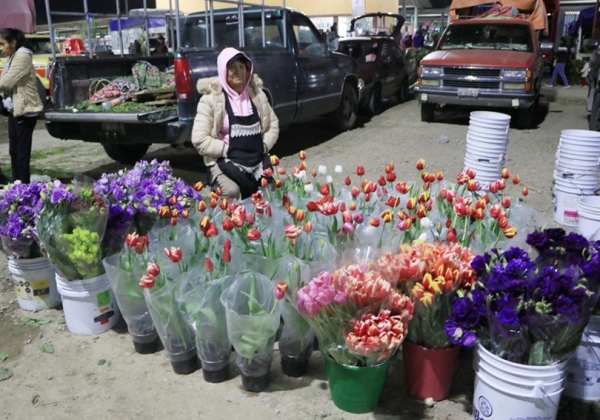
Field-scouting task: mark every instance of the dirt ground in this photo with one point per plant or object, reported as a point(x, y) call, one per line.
point(75, 383)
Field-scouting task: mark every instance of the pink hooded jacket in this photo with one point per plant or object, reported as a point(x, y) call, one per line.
point(210, 134)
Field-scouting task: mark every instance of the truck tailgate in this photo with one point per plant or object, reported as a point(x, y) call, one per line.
point(155, 117)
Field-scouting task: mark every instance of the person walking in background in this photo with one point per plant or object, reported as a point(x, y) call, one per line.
point(418, 40)
point(18, 85)
point(235, 127)
point(562, 57)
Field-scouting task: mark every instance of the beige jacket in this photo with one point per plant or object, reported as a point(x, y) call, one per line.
point(211, 111)
point(20, 80)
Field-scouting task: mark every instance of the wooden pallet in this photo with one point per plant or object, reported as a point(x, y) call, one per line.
point(152, 95)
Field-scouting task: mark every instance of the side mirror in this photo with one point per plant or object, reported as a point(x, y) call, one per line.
point(546, 47)
point(429, 44)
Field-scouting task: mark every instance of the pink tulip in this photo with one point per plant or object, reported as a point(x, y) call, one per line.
point(307, 306)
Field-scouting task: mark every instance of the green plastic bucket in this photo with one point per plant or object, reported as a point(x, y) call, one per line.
point(355, 389)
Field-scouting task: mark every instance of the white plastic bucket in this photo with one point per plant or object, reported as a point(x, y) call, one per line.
point(474, 144)
point(90, 305)
point(583, 135)
point(34, 282)
point(487, 143)
point(567, 144)
point(485, 131)
point(574, 154)
point(566, 197)
point(589, 217)
point(496, 117)
point(583, 374)
point(505, 390)
point(576, 166)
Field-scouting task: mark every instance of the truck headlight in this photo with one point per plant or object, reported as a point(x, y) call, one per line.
point(432, 71)
point(514, 73)
point(361, 84)
point(429, 82)
point(514, 86)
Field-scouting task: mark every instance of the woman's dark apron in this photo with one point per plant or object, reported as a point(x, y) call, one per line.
point(245, 159)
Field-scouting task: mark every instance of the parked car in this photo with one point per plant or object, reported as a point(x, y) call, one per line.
point(382, 64)
point(303, 79)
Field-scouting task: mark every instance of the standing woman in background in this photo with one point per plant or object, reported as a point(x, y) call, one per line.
point(18, 86)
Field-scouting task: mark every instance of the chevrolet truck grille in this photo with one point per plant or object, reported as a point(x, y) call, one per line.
point(457, 71)
point(472, 84)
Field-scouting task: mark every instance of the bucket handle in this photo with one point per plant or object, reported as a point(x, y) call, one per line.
point(582, 192)
point(538, 392)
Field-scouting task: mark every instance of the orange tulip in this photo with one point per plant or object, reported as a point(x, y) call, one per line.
point(274, 160)
point(308, 227)
point(198, 186)
point(510, 231)
point(505, 173)
point(302, 155)
point(375, 222)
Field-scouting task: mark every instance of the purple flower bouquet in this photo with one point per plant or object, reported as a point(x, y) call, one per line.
point(530, 311)
point(18, 208)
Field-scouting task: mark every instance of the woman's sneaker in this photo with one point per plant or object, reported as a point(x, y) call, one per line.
point(566, 87)
point(547, 85)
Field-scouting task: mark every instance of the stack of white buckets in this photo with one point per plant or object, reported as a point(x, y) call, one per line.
point(487, 140)
point(575, 173)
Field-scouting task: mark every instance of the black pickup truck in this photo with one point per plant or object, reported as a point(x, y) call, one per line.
point(303, 78)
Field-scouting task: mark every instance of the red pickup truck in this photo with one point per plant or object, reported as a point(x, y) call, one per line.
point(483, 63)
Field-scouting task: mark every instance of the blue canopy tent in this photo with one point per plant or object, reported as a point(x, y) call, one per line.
point(585, 21)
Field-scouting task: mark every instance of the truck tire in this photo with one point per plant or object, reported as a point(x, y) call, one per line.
point(127, 154)
point(403, 94)
point(427, 111)
point(376, 103)
point(594, 124)
point(526, 117)
point(344, 118)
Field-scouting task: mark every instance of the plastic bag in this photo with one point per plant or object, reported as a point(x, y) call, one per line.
point(175, 334)
point(252, 316)
point(204, 312)
point(129, 294)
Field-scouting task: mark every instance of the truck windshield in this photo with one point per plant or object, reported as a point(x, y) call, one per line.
point(42, 46)
point(487, 37)
point(196, 33)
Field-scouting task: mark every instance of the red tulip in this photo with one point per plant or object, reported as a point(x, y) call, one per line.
point(440, 176)
point(516, 179)
point(281, 171)
point(292, 231)
point(502, 222)
point(268, 173)
point(211, 231)
point(360, 171)
point(198, 186)
point(302, 155)
point(510, 231)
point(506, 202)
point(147, 281)
point(278, 183)
point(274, 160)
point(421, 164)
point(227, 251)
point(495, 211)
point(254, 235)
point(208, 265)
point(325, 189)
point(213, 203)
point(412, 203)
point(202, 206)
point(173, 200)
point(375, 222)
point(393, 202)
point(141, 245)
point(174, 254)
point(286, 201)
point(525, 191)
point(250, 219)
point(381, 181)
point(264, 182)
point(391, 177)
point(227, 225)
point(505, 173)
point(451, 237)
point(164, 212)
point(300, 215)
point(308, 227)
point(389, 168)
point(348, 181)
point(501, 184)
point(173, 221)
point(494, 187)
point(132, 239)
point(153, 269)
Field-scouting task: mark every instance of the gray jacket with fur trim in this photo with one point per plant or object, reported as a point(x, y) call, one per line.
point(210, 114)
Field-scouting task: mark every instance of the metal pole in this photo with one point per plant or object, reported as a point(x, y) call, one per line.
point(120, 29)
point(404, 8)
point(264, 38)
point(241, 23)
point(595, 24)
point(177, 24)
point(171, 29)
point(209, 35)
point(284, 25)
point(147, 24)
point(50, 30)
point(89, 28)
point(212, 24)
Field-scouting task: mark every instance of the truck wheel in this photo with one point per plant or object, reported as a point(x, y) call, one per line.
point(403, 94)
point(427, 111)
point(526, 117)
point(127, 154)
point(594, 124)
point(344, 118)
point(375, 104)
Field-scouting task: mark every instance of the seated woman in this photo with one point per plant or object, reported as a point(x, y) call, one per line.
point(235, 127)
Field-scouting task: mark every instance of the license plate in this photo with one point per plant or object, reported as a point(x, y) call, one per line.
point(468, 92)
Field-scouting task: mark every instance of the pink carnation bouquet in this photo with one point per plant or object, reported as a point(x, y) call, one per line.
point(359, 318)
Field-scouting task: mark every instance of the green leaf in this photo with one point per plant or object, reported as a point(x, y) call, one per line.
point(212, 318)
point(35, 399)
point(35, 322)
point(101, 362)
point(47, 348)
point(3, 357)
point(62, 320)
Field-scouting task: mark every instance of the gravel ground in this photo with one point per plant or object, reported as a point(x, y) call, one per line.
point(72, 384)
